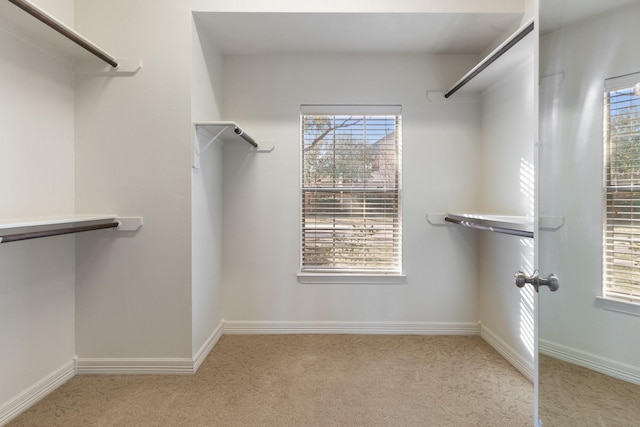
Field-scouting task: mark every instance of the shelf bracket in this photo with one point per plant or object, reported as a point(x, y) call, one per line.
point(214, 131)
point(264, 150)
point(197, 151)
point(211, 141)
point(129, 223)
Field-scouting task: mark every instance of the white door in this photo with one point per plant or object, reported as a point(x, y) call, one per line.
point(589, 348)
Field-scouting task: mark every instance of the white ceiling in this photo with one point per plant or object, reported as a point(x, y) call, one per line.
point(254, 33)
point(555, 14)
point(454, 33)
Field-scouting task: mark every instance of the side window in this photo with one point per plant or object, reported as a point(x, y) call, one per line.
point(621, 234)
point(351, 189)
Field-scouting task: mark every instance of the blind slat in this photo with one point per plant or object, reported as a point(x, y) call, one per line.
point(621, 230)
point(350, 189)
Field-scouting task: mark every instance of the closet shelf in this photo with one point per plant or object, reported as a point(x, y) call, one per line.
point(12, 230)
point(226, 131)
point(511, 53)
point(515, 225)
point(28, 21)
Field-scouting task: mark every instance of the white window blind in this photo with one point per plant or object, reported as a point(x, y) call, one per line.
point(351, 184)
point(621, 235)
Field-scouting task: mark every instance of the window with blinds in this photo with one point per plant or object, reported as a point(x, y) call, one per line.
point(351, 189)
point(621, 236)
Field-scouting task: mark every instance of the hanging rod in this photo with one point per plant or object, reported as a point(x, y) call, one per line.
point(501, 50)
point(65, 31)
point(475, 224)
point(244, 136)
point(48, 233)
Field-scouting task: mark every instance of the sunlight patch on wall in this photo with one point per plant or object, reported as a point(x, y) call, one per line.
point(527, 190)
point(527, 297)
point(527, 184)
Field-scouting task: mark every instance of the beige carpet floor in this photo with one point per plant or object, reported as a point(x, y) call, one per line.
point(571, 395)
point(308, 380)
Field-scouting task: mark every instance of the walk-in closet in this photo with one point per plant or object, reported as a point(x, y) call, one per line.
point(169, 179)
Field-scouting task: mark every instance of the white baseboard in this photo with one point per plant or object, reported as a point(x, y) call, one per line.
point(149, 366)
point(591, 361)
point(185, 366)
point(24, 400)
point(518, 361)
point(206, 348)
point(135, 366)
point(235, 327)
point(138, 366)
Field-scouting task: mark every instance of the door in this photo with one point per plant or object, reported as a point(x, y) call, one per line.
point(588, 348)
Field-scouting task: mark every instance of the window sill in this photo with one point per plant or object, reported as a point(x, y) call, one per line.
point(351, 279)
point(618, 306)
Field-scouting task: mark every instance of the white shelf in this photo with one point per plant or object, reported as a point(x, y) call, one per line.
point(71, 220)
point(222, 131)
point(517, 55)
point(507, 224)
point(13, 226)
point(225, 130)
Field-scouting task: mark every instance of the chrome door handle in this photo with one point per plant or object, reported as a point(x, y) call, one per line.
point(536, 281)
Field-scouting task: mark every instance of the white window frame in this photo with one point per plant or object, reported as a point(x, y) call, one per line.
point(613, 297)
point(338, 275)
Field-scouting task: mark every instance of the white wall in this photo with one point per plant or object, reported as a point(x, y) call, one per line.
point(133, 157)
point(36, 179)
point(261, 191)
point(587, 53)
point(63, 10)
point(135, 296)
point(207, 246)
point(206, 196)
point(507, 188)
